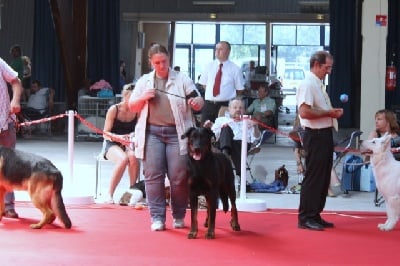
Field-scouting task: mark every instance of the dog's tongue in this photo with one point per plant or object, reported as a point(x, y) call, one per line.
point(196, 156)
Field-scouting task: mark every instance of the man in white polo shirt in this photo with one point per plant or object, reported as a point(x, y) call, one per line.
point(318, 118)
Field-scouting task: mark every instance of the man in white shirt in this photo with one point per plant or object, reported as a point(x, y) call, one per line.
point(231, 82)
point(40, 100)
point(228, 131)
point(318, 118)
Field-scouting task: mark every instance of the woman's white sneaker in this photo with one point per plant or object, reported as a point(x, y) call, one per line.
point(157, 226)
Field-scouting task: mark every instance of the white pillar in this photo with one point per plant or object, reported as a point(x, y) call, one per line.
point(244, 204)
point(373, 64)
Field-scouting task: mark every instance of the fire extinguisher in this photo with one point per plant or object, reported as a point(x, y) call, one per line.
point(391, 77)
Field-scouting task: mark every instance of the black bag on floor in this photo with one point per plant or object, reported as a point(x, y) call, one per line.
point(351, 173)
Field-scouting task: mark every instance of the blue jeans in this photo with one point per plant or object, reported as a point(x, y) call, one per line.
point(162, 158)
point(8, 139)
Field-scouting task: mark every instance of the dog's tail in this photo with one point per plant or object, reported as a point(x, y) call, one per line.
point(57, 203)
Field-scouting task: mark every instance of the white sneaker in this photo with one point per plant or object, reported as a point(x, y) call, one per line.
point(157, 226)
point(110, 200)
point(178, 223)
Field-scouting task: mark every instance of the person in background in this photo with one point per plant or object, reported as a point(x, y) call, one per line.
point(249, 74)
point(26, 81)
point(122, 75)
point(164, 100)
point(118, 128)
point(263, 108)
point(318, 118)
point(40, 100)
point(228, 132)
point(386, 122)
point(177, 68)
point(8, 109)
point(231, 82)
point(17, 63)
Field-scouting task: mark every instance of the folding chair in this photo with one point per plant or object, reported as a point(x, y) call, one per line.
point(256, 148)
point(99, 161)
point(29, 114)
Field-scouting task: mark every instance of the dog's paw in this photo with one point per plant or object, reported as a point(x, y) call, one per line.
point(210, 235)
point(192, 235)
point(385, 227)
point(36, 226)
point(235, 226)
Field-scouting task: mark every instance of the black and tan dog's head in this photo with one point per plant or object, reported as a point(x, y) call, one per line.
point(282, 174)
point(199, 142)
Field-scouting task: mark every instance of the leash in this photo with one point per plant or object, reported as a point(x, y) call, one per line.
point(176, 95)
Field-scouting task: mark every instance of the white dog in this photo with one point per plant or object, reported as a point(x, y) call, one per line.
point(387, 177)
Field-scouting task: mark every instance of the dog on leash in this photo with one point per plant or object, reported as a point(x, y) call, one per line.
point(210, 175)
point(386, 170)
point(26, 171)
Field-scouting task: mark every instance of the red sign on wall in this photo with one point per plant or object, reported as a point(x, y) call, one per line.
point(381, 20)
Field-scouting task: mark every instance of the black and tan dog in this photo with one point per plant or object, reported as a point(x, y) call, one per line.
point(211, 175)
point(37, 175)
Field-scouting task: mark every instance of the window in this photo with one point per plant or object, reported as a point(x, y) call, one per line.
point(254, 34)
point(203, 33)
point(183, 38)
point(308, 35)
point(232, 33)
point(283, 34)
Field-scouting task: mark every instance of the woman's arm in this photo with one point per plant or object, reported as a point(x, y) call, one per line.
point(110, 116)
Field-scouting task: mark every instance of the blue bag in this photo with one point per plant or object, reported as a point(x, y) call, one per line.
point(351, 173)
point(367, 179)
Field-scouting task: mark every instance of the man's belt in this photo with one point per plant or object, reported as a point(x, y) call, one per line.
point(225, 103)
point(318, 129)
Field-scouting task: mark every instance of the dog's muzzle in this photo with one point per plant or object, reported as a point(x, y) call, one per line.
point(196, 154)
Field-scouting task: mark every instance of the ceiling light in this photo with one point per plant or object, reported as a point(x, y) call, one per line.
point(213, 3)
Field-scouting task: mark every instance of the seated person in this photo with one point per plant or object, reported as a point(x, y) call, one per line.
point(40, 101)
point(119, 124)
point(386, 122)
point(228, 131)
point(263, 109)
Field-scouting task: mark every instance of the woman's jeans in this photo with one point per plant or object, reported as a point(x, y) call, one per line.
point(162, 158)
point(8, 138)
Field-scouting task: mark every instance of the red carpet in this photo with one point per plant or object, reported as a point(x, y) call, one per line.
point(114, 235)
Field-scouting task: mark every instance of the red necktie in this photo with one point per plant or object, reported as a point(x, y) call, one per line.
point(217, 82)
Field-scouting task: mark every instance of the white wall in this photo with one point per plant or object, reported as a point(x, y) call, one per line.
point(373, 64)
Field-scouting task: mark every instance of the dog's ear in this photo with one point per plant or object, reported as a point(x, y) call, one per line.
point(210, 132)
point(386, 142)
point(187, 133)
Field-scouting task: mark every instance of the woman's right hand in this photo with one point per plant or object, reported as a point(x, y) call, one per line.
point(148, 94)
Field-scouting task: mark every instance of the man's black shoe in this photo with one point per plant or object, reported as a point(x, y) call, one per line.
point(326, 224)
point(11, 213)
point(311, 225)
